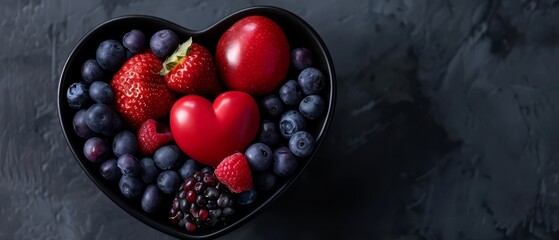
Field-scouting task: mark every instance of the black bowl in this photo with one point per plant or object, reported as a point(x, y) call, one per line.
point(299, 34)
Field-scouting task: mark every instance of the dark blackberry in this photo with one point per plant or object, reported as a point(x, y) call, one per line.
point(189, 184)
point(212, 204)
point(191, 196)
point(224, 200)
point(211, 193)
point(201, 202)
point(190, 226)
point(198, 176)
point(199, 187)
point(210, 179)
point(182, 194)
point(184, 205)
point(207, 170)
point(227, 211)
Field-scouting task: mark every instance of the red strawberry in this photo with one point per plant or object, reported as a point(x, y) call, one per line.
point(140, 92)
point(191, 69)
point(234, 172)
point(153, 135)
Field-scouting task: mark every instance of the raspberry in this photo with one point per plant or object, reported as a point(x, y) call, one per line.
point(207, 205)
point(153, 135)
point(234, 172)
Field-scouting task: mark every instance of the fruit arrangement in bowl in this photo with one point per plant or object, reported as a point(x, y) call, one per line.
point(194, 132)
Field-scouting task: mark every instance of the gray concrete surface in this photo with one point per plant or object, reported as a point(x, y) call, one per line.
point(447, 122)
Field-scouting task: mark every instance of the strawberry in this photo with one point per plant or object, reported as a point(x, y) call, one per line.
point(140, 92)
point(153, 135)
point(234, 172)
point(191, 69)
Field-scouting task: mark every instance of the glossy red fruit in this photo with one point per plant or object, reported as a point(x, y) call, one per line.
point(153, 135)
point(210, 132)
point(191, 70)
point(253, 56)
point(234, 172)
point(140, 92)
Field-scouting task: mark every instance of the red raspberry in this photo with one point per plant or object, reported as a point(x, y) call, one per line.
point(153, 135)
point(234, 172)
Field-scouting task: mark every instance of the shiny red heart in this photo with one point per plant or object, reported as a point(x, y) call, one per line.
point(209, 133)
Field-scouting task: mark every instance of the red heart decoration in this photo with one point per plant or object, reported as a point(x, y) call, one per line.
point(209, 133)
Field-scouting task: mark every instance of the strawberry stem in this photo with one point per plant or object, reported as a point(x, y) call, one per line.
point(176, 57)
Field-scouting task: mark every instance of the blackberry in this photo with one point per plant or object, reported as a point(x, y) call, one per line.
point(202, 202)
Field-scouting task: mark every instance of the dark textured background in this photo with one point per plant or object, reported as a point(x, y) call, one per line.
point(446, 124)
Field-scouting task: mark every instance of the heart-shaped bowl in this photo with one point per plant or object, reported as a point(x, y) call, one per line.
point(299, 34)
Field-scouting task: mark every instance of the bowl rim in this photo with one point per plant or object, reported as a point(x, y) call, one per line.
point(253, 10)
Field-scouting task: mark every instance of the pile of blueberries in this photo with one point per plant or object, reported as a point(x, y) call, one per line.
point(287, 116)
point(108, 142)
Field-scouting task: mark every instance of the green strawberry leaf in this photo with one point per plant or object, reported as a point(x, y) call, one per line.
point(176, 57)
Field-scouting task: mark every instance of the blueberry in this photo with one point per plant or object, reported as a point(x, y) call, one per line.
point(100, 117)
point(285, 163)
point(96, 149)
point(151, 199)
point(269, 133)
point(91, 71)
point(259, 156)
point(301, 144)
point(311, 80)
point(246, 197)
point(164, 43)
point(109, 170)
point(101, 92)
point(134, 41)
point(80, 127)
point(168, 181)
point(166, 157)
point(129, 165)
point(116, 126)
point(148, 170)
point(291, 93)
point(264, 181)
point(311, 107)
point(131, 187)
point(272, 107)
point(78, 95)
point(110, 55)
point(125, 142)
point(301, 58)
point(291, 122)
point(188, 169)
